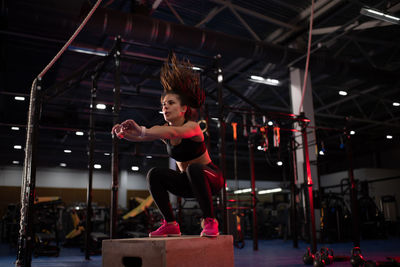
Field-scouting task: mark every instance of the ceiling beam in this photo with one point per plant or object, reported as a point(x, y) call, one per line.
point(348, 98)
point(256, 14)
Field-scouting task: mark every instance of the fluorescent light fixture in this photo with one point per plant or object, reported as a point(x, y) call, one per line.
point(161, 112)
point(270, 123)
point(396, 104)
point(196, 68)
point(379, 15)
point(107, 154)
point(97, 166)
point(63, 164)
point(352, 132)
point(257, 78)
point(279, 163)
point(268, 81)
point(19, 98)
point(272, 81)
point(268, 191)
point(343, 93)
point(17, 147)
point(149, 157)
point(67, 151)
point(389, 137)
point(14, 128)
point(241, 191)
point(215, 119)
point(220, 78)
point(15, 162)
point(135, 168)
point(79, 133)
point(101, 106)
point(87, 51)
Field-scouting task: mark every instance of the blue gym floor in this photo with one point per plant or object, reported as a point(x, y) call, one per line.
point(270, 253)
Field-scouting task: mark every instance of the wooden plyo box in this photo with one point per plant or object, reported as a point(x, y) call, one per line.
point(185, 251)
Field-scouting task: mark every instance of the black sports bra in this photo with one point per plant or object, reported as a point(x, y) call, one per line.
point(186, 150)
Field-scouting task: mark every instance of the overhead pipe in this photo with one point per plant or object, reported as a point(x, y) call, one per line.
point(153, 31)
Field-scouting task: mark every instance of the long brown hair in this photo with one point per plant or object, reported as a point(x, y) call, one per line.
point(178, 77)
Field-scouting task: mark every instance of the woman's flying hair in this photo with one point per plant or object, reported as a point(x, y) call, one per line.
point(178, 77)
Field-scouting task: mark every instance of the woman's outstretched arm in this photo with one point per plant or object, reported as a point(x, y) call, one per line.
point(131, 129)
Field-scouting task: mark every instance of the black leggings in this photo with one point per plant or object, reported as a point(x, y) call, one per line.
point(200, 181)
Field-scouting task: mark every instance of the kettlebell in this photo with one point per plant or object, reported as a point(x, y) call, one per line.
point(327, 255)
point(318, 260)
point(356, 258)
point(308, 258)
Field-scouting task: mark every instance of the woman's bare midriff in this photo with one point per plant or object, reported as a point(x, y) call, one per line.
point(203, 159)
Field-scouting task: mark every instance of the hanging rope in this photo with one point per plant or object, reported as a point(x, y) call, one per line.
point(308, 56)
point(70, 40)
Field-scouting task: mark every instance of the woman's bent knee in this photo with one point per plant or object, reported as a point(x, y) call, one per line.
point(154, 174)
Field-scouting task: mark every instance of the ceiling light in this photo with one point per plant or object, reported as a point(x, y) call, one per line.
point(343, 93)
point(196, 68)
point(149, 157)
point(260, 148)
point(321, 152)
point(259, 79)
point(161, 112)
point(97, 166)
point(15, 162)
point(63, 165)
point(396, 104)
point(67, 151)
point(107, 154)
point(135, 168)
point(88, 51)
point(19, 98)
point(379, 15)
point(268, 191)
point(279, 163)
point(101, 106)
point(79, 133)
point(352, 132)
point(272, 81)
point(270, 123)
point(17, 147)
point(241, 191)
point(14, 128)
point(220, 78)
point(389, 137)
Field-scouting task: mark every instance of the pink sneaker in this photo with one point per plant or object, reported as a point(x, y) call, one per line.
point(166, 229)
point(210, 227)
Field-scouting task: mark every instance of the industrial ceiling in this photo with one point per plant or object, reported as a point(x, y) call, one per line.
point(350, 52)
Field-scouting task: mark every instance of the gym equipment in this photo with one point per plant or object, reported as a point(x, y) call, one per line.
point(357, 258)
point(308, 257)
point(323, 257)
point(371, 218)
point(335, 218)
point(238, 240)
point(144, 204)
point(45, 226)
point(9, 226)
point(318, 260)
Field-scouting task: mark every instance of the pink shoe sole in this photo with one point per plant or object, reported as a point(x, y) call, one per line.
point(207, 235)
point(169, 235)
